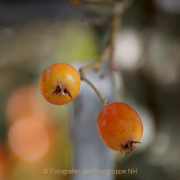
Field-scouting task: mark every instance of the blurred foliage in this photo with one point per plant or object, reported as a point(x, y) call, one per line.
point(80, 41)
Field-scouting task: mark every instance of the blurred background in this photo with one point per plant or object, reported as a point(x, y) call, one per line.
point(34, 34)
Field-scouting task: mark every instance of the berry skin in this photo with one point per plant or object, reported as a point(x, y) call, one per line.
point(59, 83)
point(120, 127)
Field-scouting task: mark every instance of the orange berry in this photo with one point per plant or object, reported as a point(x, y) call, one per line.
point(59, 83)
point(120, 127)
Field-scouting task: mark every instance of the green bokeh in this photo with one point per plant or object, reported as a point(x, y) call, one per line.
point(76, 43)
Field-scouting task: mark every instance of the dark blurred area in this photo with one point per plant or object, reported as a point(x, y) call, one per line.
point(34, 135)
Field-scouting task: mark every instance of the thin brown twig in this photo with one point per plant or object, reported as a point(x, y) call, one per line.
point(96, 64)
point(109, 4)
point(118, 8)
point(104, 101)
point(116, 22)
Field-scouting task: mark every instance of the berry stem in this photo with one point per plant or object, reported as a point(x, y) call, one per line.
point(104, 101)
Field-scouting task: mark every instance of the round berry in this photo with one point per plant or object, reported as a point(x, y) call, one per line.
point(59, 83)
point(120, 127)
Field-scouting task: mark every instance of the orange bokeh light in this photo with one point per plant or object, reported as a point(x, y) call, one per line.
point(29, 139)
point(26, 101)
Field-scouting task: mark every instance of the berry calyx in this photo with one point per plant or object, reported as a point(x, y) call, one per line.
point(128, 147)
point(60, 89)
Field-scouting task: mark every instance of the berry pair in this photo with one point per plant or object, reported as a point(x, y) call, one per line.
point(118, 124)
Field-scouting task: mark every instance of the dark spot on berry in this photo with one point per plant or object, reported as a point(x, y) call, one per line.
point(57, 90)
